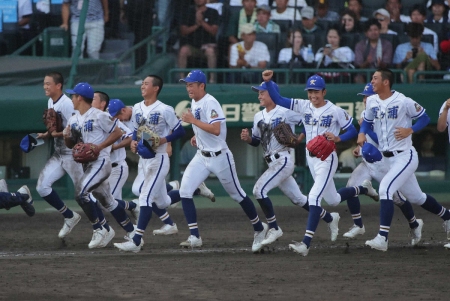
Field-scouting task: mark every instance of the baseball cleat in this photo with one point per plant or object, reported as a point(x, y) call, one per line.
point(271, 236)
point(27, 205)
point(371, 192)
point(129, 246)
point(166, 230)
point(299, 247)
point(355, 231)
point(129, 235)
point(108, 237)
point(258, 238)
point(204, 191)
point(192, 242)
point(3, 186)
point(333, 225)
point(379, 243)
point(175, 185)
point(446, 226)
point(416, 233)
point(97, 237)
point(69, 224)
point(135, 211)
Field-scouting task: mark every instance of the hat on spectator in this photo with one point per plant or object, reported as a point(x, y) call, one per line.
point(247, 28)
point(382, 12)
point(83, 89)
point(264, 7)
point(445, 46)
point(368, 90)
point(195, 76)
point(307, 12)
point(370, 153)
point(263, 87)
point(322, 3)
point(315, 82)
point(430, 3)
point(114, 107)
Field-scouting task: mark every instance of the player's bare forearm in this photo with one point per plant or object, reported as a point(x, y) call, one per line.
point(401, 133)
point(42, 135)
point(332, 137)
point(361, 139)
point(442, 121)
point(113, 137)
point(213, 128)
point(56, 134)
point(124, 143)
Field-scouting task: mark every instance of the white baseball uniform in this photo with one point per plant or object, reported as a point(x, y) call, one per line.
point(277, 156)
point(213, 155)
point(95, 126)
point(386, 115)
point(317, 121)
point(61, 161)
point(161, 119)
point(448, 118)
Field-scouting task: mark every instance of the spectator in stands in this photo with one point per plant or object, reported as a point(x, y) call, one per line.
point(323, 12)
point(294, 55)
point(97, 16)
point(372, 52)
point(25, 12)
point(426, 149)
point(309, 22)
point(384, 18)
point(198, 36)
point(415, 55)
point(418, 15)
point(394, 7)
point(439, 11)
point(332, 55)
point(247, 15)
point(258, 2)
point(349, 22)
point(283, 12)
point(263, 22)
point(249, 53)
point(348, 160)
point(356, 7)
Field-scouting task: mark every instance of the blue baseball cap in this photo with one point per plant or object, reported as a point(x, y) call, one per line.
point(368, 90)
point(29, 142)
point(195, 76)
point(114, 107)
point(263, 87)
point(144, 149)
point(370, 153)
point(315, 82)
point(83, 89)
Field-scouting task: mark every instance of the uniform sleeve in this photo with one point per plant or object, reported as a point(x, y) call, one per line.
point(255, 130)
point(293, 118)
point(442, 108)
point(134, 122)
point(171, 118)
point(67, 111)
point(344, 119)
point(71, 121)
point(413, 109)
point(214, 112)
point(126, 132)
point(367, 113)
point(106, 122)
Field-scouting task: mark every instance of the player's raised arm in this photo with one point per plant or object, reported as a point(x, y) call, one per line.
point(443, 116)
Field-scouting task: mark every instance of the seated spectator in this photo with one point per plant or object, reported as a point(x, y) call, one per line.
point(198, 36)
point(356, 7)
point(348, 160)
point(247, 15)
point(384, 18)
point(333, 56)
point(394, 7)
point(426, 149)
point(25, 12)
point(309, 22)
point(294, 55)
point(372, 52)
point(239, 2)
point(292, 3)
point(439, 11)
point(415, 55)
point(323, 12)
point(418, 15)
point(349, 22)
point(283, 12)
point(263, 23)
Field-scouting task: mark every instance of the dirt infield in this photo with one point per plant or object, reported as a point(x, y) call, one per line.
point(36, 265)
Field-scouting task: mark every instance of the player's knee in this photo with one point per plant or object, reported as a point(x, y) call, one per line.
point(43, 191)
point(82, 199)
point(135, 189)
point(257, 193)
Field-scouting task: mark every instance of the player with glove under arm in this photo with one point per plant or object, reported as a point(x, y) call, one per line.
point(320, 117)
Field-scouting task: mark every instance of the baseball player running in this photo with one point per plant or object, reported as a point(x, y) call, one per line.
point(391, 114)
point(160, 119)
point(321, 117)
point(372, 168)
point(213, 156)
point(277, 156)
point(61, 161)
point(98, 128)
point(443, 122)
point(118, 110)
point(20, 198)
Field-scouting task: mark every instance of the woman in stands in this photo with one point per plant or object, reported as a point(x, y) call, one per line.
point(349, 22)
point(295, 55)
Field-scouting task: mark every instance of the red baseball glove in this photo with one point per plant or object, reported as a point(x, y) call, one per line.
point(85, 152)
point(321, 147)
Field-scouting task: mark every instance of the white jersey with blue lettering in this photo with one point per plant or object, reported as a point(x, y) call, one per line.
point(448, 118)
point(264, 122)
point(209, 110)
point(95, 126)
point(386, 115)
point(158, 117)
point(317, 121)
point(64, 107)
point(120, 154)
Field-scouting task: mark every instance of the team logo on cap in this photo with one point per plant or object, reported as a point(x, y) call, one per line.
point(312, 82)
point(189, 74)
point(366, 88)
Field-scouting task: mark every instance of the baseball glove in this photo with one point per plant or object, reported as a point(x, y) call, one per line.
point(52, 120)
point(144, 133)
point(321, 147)
point(284, 135)
point(85, 152)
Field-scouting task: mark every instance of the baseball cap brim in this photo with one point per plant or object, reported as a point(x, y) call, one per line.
point(315, 88)
point(70, 91)
point(258, 88)
point(364, 94)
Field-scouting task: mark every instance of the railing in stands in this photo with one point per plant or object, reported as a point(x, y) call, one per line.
point(431, 77)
